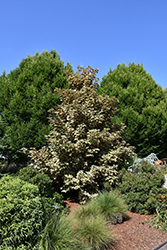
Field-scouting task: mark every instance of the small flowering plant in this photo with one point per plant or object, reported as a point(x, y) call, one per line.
point(161, 209)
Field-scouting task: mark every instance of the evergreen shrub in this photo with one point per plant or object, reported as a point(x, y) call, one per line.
point(44, 183)
point(49, 196)
point(22, 215)
point(139, 185)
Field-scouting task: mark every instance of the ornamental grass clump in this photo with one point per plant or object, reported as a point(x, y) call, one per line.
point(91, 228)
point(84, 146)
point(59, 236)
point(91, 222)
point(112, 205)
point(94, 232)
point(109, 204)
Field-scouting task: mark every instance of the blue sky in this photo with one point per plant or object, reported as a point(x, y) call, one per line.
point(101, 33)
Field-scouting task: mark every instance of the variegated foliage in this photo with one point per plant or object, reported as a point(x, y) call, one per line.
point(84, 147)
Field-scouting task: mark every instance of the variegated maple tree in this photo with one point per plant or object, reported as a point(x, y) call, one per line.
point(84, 147)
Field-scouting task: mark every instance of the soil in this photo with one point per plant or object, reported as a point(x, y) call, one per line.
point(133, 234)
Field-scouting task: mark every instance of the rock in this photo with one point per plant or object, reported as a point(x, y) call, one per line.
point(152, 158)
point(117, 218)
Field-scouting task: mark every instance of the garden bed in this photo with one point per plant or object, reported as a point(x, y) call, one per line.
point(134, 233)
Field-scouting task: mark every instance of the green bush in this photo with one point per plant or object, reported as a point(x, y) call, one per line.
point(44, 183)
point(138, 186)
point(46, 189)
point(22, 215)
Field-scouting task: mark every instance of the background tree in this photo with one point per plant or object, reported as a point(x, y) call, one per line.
point(84, 148)
point(26, 95)
point(142, 107)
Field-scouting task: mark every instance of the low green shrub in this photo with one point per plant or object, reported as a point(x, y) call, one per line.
point(22, 214)
point(53, 204)
point(138, 186)
point(50, 198)
point(44, 183)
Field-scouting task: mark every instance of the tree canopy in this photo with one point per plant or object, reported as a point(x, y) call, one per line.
point(142, 107)
point(84, 149)
point(27, 93)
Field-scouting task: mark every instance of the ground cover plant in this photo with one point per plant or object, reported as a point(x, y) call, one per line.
point(139, 185)
point(84, 147)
